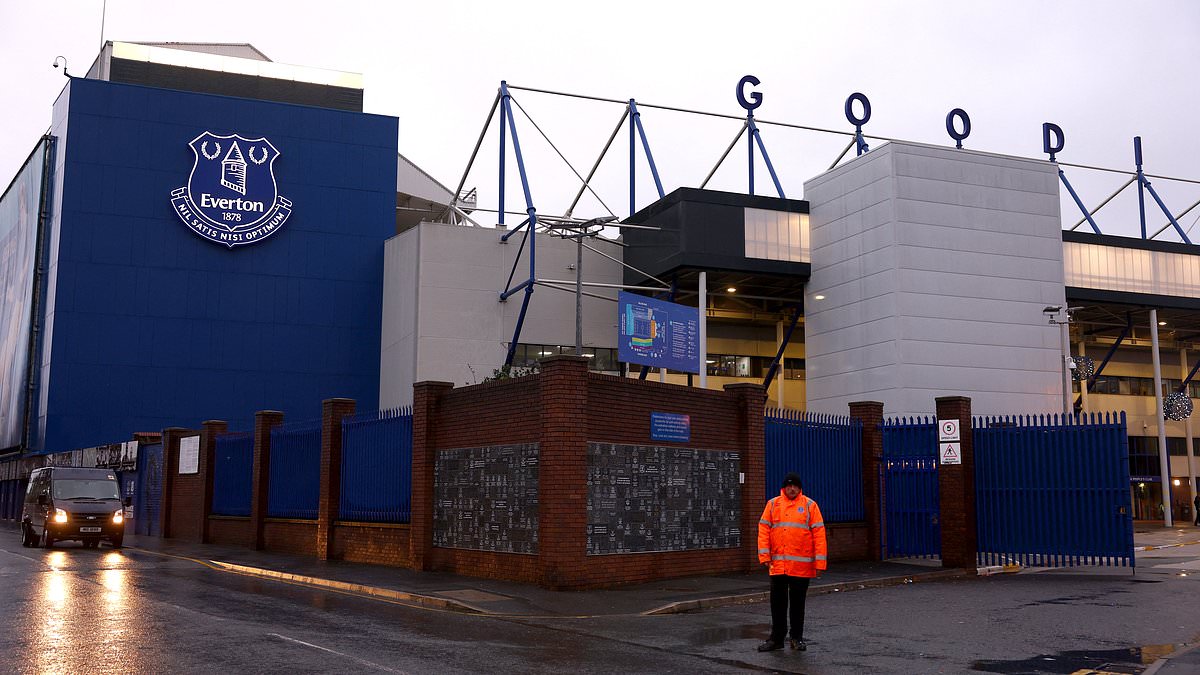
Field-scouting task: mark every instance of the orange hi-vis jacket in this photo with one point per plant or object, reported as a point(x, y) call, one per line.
point(791, 535)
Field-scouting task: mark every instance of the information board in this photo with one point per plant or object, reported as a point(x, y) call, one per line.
point(670, 427)
point(658, 333)
point(486, 498)
point(653, 498)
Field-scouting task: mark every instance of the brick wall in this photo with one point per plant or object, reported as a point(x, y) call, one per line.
point(298, 537)
point(379, 544)
point(229, 531)
point(187, 491)
point(562, 409)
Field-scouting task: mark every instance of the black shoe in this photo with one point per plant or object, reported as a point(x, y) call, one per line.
point(799, 645)
point(770, 646)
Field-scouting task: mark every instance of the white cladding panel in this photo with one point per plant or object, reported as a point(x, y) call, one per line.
point(935, 265)
point(1131, 270)
point(442, 316)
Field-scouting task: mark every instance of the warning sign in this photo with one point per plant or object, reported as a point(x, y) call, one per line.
point(951, 453)
point(948, 430)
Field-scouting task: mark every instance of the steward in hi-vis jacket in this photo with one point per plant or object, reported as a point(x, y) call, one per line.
point(791, 541)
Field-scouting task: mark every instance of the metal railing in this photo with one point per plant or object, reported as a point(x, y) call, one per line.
point(233, 469)
point(826, 451)
point(294, 490)
point(377, 467)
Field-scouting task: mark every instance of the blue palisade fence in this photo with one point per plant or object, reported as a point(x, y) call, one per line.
point(1053, 491)
point(295, 471)
point(826, 450)
point(233, 470)
point(909, 489)
point(377, 467)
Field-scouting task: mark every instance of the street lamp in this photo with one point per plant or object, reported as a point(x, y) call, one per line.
point(584, 230)
point(1068, 364)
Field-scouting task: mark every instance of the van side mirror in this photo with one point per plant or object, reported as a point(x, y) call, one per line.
point(42, 501)
point(128, 501)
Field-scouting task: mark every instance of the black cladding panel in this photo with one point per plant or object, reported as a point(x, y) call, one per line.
point(702, 229)
point(235, 84)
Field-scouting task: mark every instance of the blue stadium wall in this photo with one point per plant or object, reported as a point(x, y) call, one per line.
point(147, 325)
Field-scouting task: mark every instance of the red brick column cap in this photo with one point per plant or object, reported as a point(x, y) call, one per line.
point(952, 399)
point(338, 400)
point(870, 403)
point(209, 423)
point(435, 384)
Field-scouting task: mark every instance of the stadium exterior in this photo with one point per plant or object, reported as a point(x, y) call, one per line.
point(133, 302)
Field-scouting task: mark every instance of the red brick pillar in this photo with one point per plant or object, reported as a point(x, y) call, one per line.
point(750, 400)
point(332, 412)
point(870, 413)
point(956, 489)
point(170, 467)
point(562, 472)
point(264, 421)
point(426, 401)
point(209, 431)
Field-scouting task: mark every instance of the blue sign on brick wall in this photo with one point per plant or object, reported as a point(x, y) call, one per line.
point(670, 427)
point(658, 334)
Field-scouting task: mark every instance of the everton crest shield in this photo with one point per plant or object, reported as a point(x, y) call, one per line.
point(231, 197)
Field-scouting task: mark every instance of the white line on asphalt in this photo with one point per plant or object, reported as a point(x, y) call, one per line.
point(327, 649)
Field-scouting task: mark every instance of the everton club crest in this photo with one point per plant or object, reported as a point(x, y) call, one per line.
point(231, 197)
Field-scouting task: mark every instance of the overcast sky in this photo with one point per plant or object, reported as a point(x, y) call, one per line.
point(1103, 71)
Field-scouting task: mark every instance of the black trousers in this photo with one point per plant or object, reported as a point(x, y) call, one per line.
point(787, 602)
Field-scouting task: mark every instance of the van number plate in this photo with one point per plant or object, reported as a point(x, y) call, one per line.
point(89, 530)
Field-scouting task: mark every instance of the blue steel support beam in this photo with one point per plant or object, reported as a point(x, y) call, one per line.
point(503, 119)
point(779, 356)
point(528, 284)
point(1159, 201)
point(1183, 385)
point(757, 138)
point(637, 119)
point(504, 237)
point(1141, 179)
point(750, 149)
point(1078, 202)
point(1107, 357)
point(632, 160)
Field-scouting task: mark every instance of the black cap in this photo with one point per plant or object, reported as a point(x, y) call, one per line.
point(792, 479)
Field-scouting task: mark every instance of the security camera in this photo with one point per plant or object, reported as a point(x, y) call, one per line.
point(1052, 309)
point(1071, 363)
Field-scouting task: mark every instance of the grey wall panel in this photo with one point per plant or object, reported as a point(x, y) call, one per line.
point(934, 265)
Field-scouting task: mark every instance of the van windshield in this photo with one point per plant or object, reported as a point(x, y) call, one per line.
point(85, 489)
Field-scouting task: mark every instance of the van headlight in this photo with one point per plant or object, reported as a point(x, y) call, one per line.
point(119, 517)
point(60, 516)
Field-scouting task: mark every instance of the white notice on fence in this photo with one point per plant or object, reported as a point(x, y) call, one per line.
point(951, 453)
point(189, 454)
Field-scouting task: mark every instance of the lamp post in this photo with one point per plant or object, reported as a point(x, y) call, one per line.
point(1053, 312)
point(583, 231)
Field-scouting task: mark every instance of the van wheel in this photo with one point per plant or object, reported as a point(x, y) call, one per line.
point(117, 541)
point(47, 538)
point(26, 536)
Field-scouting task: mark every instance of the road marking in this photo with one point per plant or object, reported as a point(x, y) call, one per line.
point(331, 651)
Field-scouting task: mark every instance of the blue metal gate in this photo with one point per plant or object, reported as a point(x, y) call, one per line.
point(294, 485)
point(908, 485)
point(233, 470)
point(377, 467)
point(1053, 492)
point(149, 490)
point(826, 451)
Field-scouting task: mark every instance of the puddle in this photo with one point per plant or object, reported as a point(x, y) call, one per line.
point(1129, 660)
point(758, 631)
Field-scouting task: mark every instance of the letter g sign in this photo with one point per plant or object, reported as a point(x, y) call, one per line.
point(755, 97)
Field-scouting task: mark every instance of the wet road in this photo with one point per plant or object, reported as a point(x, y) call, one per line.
point(72, 610)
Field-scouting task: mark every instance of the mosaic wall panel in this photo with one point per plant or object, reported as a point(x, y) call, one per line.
point(486, 499)
point(652, 498)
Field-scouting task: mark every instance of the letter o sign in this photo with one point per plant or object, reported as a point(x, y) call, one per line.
point(964, 119)
point(866, 108)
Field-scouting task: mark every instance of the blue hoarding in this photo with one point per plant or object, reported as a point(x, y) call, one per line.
point(658, 334)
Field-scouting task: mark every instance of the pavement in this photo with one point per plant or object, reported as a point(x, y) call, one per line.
point(453, 593)
point(504, 598)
